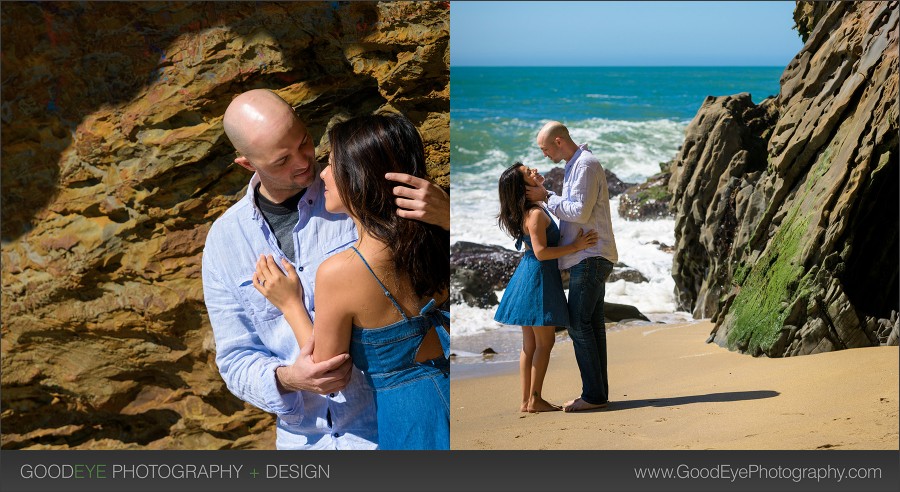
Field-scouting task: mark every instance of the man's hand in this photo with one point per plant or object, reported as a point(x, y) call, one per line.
point(319, 377)
point(536, 193)
point(421, 200)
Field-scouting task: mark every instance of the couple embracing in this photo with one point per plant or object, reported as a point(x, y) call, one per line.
point(583, 243)
point(323, 288)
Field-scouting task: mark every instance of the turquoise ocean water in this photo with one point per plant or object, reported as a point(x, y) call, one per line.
point(501, 108)
point(632, 118)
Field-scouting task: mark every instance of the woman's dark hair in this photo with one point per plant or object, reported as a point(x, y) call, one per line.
point(363, 149)
point(513, 203)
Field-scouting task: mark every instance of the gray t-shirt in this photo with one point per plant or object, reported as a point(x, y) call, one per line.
point(281, 217)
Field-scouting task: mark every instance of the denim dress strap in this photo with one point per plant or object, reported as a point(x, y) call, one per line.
point(383, 288)
point(440, 320)
point(548, 213)
point(526, 239)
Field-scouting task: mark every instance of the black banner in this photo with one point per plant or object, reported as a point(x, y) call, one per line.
point(519, 471)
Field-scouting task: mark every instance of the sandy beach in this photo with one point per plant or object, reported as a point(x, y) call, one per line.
point(670, 390)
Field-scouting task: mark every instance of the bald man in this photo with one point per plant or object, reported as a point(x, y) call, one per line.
point(318, 405)
point(584, 204)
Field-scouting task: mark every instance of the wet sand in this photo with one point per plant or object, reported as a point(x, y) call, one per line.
point(671, 390)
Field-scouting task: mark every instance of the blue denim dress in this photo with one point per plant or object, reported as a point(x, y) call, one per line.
point(412, 399)
point(534, 295)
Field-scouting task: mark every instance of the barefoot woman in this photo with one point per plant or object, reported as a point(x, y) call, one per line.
point(534, 297)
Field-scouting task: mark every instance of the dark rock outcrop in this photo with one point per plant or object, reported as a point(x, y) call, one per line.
point(627, 274)
point(115, 164)
point(649, 200)
point(469, 287)
point(493, 264)
point(613, 313)
point(554, 178)
point(616, 186)
point(786, 211)
point(715, 203)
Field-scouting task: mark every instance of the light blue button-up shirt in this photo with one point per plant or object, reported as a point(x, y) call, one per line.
point(252, 336)
point(584, 204)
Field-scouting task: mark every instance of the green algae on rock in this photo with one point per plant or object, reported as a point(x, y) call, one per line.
point(786, 211)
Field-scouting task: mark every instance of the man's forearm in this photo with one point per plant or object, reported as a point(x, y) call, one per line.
point(568, 210)
point(280, 383)
point(577, 208)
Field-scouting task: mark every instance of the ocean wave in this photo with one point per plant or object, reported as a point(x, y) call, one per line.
point(463, 150)
point(631, 149)
point(467, 320)
point(492, 157)
point(608, 96)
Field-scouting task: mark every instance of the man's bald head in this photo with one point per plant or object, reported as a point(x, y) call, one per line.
point(555, 142)
point(553, 129)
point(252, 115)
point(273, 143)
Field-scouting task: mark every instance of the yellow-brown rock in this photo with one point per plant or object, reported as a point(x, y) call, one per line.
point(114, 165)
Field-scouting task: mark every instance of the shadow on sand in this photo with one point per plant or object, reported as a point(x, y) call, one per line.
point(687, 400)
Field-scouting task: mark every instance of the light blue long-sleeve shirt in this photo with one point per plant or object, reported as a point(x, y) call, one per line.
point(584, 204)
point(252, 336)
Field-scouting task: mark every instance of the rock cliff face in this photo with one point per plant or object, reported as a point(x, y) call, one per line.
point(787, 211)
point(114, 166)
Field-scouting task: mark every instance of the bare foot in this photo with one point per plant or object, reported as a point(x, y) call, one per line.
point(579, 405)
point(537, 405)
point(524, 407)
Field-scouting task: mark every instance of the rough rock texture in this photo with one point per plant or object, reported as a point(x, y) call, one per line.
point(786, 211)
point(807, 15)
point(649, 200)
point(494, 265)
point(553, 180)
point(469, 287)
point(623, 272)
point(714, 201)
point(114, 166)
point(615, 185)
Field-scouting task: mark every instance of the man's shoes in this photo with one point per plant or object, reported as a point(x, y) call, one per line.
point(579, 405)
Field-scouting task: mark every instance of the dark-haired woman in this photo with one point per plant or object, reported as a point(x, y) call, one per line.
point(378, 300)
point(534, 297)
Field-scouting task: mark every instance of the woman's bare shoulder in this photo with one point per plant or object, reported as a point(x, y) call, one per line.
point(338, 269)
point(536, 216)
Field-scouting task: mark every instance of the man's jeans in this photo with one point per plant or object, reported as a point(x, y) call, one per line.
point(587, 287)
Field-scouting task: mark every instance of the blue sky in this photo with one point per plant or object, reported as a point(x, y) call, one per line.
point(622, 33)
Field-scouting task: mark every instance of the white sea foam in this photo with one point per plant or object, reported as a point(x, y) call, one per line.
point(608, 96)
point(466, 151)
point(466, 320)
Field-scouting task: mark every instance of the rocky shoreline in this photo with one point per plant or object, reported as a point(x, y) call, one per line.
point(786, 211)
